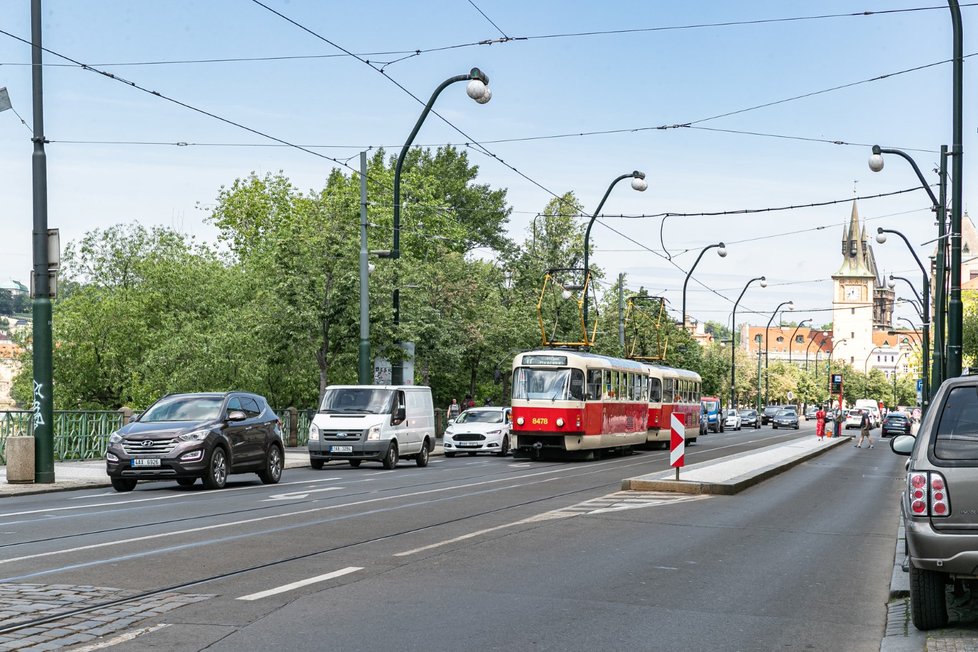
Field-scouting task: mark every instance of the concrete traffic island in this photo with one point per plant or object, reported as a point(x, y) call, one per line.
point(733, 474)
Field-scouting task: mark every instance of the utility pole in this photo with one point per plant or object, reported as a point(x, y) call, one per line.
point(43, 404)
point(621, 313)
point(365, 375)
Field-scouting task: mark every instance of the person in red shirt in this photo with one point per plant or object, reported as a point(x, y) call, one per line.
point(820, 423)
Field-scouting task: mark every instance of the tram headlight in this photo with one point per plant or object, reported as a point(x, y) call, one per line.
point(560, 422)
point(519, 421)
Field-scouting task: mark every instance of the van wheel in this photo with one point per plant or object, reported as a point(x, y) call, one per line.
point(504, 448)
point(421, 459)
point(928, 599)
point(217, 470)
point(355, 463)
point(124, 484)
point(390, 459)
point(316, 464)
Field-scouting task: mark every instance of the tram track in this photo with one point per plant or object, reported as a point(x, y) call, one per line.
point(576, 471)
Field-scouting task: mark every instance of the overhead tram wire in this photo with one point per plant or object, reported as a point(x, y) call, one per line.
point(409, 53)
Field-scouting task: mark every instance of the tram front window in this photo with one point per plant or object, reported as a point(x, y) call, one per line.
point(548, 384)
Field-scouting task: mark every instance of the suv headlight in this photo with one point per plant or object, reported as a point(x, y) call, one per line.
point(196, 435)
point(373, 434)
point(116, 438)
point(313, 432)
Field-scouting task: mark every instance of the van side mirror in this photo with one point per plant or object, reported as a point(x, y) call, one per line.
point(237, 415)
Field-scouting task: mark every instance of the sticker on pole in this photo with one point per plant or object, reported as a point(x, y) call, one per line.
point(677, 443)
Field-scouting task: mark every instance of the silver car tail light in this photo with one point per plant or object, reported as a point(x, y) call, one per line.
point(928, 494)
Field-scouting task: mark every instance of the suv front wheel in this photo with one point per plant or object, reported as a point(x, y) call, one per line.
point(217, 471)
point(928, 599)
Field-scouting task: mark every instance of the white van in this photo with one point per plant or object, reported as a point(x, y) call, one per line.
point(373, 422)
point(873, 407)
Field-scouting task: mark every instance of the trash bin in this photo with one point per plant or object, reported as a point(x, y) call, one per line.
point(19, 451)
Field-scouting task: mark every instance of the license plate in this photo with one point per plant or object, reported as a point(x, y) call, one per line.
point(148, 462)
point(341, 449)
point(473, 444)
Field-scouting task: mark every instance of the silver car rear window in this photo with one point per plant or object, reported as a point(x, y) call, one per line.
point(957, 430)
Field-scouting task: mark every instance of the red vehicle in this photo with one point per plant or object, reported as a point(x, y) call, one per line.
point(580, 403)
point(672, 391)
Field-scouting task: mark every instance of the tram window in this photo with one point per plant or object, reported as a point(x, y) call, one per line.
point(638, 388)
point(577, 385)
point(668, 391)
point(655, 390)
point(593, 384)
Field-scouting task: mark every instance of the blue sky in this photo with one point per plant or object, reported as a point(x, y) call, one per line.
point(541, 86)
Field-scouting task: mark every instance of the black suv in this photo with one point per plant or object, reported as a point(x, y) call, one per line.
point(189, 436)
point(767, 416)
point(940, 500)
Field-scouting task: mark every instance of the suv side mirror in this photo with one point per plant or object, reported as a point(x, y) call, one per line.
point(237, 415)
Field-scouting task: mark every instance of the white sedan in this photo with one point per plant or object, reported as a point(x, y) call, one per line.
point(479, 430)
point(732, 420)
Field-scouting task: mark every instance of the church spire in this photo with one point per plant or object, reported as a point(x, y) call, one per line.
point(854, 256)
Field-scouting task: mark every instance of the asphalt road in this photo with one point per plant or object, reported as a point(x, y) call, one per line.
point(472, 553)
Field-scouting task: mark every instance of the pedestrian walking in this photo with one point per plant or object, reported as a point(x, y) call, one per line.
point(468, 403)
point(453, 409)
point(864, 425)
point(820, 423)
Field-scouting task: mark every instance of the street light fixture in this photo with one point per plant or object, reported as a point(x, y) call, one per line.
point(924, 307)
point(808, 348)
point(733, 345)
point(792, 340)
point(721, 251)
point(866, 363)
point(639, 184)
point(767, 343)
point(478, 89)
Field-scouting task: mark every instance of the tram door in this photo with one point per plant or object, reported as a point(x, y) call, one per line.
point(593, 418)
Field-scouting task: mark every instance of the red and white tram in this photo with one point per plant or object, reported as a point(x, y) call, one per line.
point(672, 391)
point(571, 401)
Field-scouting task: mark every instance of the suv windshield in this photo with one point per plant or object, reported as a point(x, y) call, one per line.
point(184, 408)
point(359, 400)
point(480, 416)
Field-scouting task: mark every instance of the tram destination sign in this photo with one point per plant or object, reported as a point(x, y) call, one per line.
point(545, 360)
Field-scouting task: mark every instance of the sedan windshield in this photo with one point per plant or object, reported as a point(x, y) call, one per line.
point(364, 400)
point(184, 408)
point(786, 413)
point(480, 416)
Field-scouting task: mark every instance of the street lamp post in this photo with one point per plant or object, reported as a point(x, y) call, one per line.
point(817, 351)
point(757, 339)
point(639, 184)
point(733, 344)
point(791, 342)
point(767, 344)
point(478, 90)
point(721, 251)
point(866, 363)
point(925, 310)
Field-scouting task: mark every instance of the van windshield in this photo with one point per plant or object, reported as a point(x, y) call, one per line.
point(711, 406)
point(366, 400)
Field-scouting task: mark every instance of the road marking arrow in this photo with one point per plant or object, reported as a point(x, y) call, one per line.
point(298, 495)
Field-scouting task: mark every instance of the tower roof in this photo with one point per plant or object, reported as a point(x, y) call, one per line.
point(854, 259)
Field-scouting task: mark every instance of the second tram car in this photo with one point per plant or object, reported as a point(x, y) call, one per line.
point(672, 391)
point(576, 402)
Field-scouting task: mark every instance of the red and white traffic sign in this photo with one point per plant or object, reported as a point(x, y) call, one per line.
point(677, 443)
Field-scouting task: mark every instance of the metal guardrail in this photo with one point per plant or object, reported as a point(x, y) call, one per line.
point(84, 434)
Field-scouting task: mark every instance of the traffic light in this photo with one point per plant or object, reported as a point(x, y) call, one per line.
point(835, 385)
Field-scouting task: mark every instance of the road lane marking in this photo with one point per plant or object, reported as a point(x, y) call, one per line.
point(182, 494)
point(122, 638)
point(470, 535)
point(297, 495)
point(301, 583)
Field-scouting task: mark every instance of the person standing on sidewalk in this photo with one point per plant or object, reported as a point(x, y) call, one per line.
point(864, 425)
point(820, 423)
point(453, 410)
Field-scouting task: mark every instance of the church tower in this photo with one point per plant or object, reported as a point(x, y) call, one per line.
point(853, 297)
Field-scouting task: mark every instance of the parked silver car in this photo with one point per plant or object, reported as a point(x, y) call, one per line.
point(785, 418)
point(940, 500)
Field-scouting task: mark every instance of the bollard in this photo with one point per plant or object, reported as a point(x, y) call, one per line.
point(19, 451)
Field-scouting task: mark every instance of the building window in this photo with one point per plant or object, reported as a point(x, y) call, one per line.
point(780, 339)
point(799, 339)
point(852, 311)
point(852, 360)
point(852, 336)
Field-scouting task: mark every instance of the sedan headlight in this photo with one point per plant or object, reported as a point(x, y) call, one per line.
point(373, 434)
point(495, 433)
point(116, 438)
point(313, 432)
point(196, 435)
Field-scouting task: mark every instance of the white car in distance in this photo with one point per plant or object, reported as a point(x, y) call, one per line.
point(479, 430)
point(732, 420)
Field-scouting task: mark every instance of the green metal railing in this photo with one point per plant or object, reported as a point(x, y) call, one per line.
point(84, 434)
point(78, 434)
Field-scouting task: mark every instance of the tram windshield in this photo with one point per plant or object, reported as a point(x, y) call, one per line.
point(548, 384)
